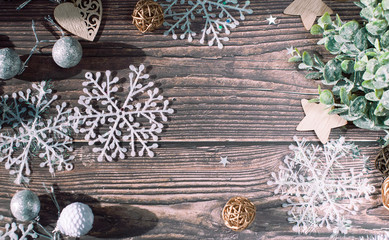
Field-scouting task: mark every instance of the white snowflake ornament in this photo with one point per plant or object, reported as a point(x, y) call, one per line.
point(124, 118)
point(216, 14)
point(33, 134)
point(318, 189)
point(13, 231)
point(75, 220)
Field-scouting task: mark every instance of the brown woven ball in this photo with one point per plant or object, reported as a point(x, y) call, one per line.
point(147, 15)
point(382, 161)
point(238, 213)
point(385, 193)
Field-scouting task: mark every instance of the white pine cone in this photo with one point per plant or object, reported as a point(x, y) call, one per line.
point(76, 219)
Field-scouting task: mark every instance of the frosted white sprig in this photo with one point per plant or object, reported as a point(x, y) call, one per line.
point(18, 232)
point(214, 23)
point(318, 189)
point(124, 118)
point(34, 134)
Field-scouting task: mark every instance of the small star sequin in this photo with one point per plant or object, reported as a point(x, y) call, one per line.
point(271, 20)
point(224, 161)
point(291, 50)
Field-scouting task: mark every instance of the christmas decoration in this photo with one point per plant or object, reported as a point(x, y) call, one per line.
point(147, 15)
point(318, 119)
point(224, 161)
point(25, 205)
point(11, 232)
point(238, 213)
point(67, 52)
point(271, 20)
point(385, 193)
point(308, 10)
point(10, 63)
point(75, 220)
point(318, 189)
point(80, 17)
point(214, 24)
point(127, 114)
point(291, 50)
point(376, 237)
point(382, 161)
point(47, 138)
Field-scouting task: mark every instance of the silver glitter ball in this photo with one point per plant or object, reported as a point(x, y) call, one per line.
point(10, 63)
point(25, 205)
point(67, 52)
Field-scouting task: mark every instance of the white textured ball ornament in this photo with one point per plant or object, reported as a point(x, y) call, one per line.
point(67, 52)
point(25, 205)
point(10, 63)
point(76, 219)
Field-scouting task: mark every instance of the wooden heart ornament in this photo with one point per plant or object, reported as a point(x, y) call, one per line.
point(80, 17)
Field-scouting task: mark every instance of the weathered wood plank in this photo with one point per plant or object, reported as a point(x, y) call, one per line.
point(181, 192)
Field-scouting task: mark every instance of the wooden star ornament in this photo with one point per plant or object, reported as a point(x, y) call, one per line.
point(308, 10)
point(317, 119)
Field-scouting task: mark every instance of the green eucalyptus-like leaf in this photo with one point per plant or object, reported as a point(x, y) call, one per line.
point(368, 76)
point(385, 40)
point(325, 19)
point(360, 39)
point(382, 74)
point(314, 75)
point(371, 96)
point(332, 45)
point(326, 97)
point(358, 107)
point(368, 2)
point(380, 110)
point(367, 13)
point(385, 99)
point(307, 60)
point(316, 29)
point(347, 66)
point(338, 110)
point(366, 123)
point(348, 30)
point(344, 98)
point(332, 72)
point(372, 66)
point(385, 4)
point(384, 58)
point(294, 59)
point(377, 27)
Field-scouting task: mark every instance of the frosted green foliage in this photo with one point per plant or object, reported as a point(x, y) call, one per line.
point(216, 15)
point(33, 134)
point(123, 118)
point(319, 191)
point(384, 236)
point(18, 232)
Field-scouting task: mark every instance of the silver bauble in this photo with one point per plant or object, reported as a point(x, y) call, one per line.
point(67, 52)
point(10, 63)
point(25, 205)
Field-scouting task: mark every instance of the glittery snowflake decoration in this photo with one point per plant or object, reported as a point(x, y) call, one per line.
point(124, 118)
point(216, 15)
point(318, 189)
point(18, 232)
point(384, 236)
point(33, 134)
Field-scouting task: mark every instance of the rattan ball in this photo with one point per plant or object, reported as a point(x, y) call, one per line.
point(147, 15)
point(385, 193)
point(238, 213)
point(382, 161)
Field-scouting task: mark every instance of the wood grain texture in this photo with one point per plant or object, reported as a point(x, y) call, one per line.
point(221, 109)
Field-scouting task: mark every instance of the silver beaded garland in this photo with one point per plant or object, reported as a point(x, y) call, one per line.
point(10, 63)
point(25, 205)
point(67, 52)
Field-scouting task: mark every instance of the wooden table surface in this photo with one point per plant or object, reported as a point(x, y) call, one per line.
point(220, 110)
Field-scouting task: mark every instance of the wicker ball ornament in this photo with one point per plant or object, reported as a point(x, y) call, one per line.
point(147, 15)
point(238, 213)
point(385, 193)
point(382, 161)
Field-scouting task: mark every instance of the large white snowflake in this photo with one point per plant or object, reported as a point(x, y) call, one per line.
point(318, 189)
point(123, 118)
point(214, 23)
point(33, 134)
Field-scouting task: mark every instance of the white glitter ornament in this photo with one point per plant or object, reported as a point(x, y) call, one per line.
point(25, 205)
point(67, 52)
point(10, 63)
point(76, 220)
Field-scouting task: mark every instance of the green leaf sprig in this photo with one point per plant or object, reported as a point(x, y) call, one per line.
point(359, 72)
